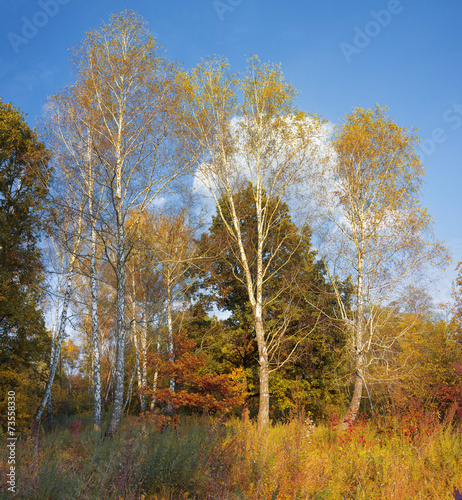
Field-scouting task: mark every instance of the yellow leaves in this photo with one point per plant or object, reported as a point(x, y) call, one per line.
point(264, 90)
point(260, 91)
point(376, 162)
point(238, 381)
point(70, 351)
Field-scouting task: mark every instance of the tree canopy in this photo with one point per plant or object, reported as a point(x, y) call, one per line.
point(24, 174)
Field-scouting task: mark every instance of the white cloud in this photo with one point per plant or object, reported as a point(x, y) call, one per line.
point(241, 167)
point(39, 75)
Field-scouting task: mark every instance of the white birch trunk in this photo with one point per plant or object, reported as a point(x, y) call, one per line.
point(357, 351)
point(121, 324)
point(171, 356)
point(127, 399)
point(120, 338)
point(56, 353)
point(144, 377)
point(96, 356)
point(49, 401)
point(156, 376)
point(138, 368)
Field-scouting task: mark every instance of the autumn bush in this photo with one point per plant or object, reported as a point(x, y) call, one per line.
point(196, 389)
point(209, 458)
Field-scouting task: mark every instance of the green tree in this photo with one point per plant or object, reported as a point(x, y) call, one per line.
point(304, 342)
point(24, 174)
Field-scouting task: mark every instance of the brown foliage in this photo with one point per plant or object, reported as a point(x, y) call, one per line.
point(195, 388)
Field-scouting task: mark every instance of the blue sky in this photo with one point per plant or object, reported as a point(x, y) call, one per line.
point(403, 54)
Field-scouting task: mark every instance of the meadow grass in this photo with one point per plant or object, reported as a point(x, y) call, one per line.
point(205, 458)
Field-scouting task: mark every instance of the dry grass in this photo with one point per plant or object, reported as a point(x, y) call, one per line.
point(205, 459)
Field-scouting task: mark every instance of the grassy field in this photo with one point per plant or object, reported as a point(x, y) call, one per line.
point(205, 458)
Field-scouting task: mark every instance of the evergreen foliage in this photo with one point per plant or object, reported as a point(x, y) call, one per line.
point(306, 358)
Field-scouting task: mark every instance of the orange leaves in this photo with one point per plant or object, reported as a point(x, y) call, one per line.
point(195, 388)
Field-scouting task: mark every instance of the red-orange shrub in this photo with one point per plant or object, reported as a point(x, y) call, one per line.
point(195, 388)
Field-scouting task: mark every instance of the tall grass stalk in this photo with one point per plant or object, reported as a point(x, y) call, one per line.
point(203, 458)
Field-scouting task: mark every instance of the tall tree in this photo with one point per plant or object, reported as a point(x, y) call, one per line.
point(174, 249)
point(24, 174)
point(135, 139)
point(73, 233)
point(164, 250)
point(374, 226)
point(299, 300)
point(145, 292)
point(249, 130)
point(70, 126)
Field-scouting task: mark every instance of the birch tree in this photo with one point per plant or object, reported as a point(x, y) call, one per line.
point(134, 101)
point(374, 227)
point(250, 132)
point(70, 126)
point(302, 340)
point(174, 249)
point(145, 291)
point(69, 232)
point(164, 250)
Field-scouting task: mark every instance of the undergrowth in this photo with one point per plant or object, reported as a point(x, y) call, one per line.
point(203, 458)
